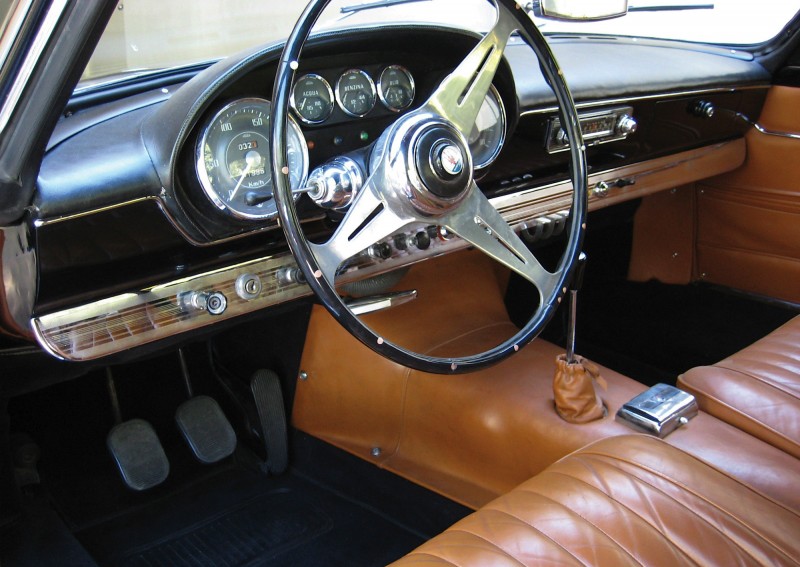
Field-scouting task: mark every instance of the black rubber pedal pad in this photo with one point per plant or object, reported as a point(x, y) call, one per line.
point(138, 454)
point(266, 388)
point(206, 429)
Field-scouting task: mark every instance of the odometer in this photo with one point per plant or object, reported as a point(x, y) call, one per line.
point(233, 159)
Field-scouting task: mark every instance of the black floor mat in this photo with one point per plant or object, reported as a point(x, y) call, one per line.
point(240, 517)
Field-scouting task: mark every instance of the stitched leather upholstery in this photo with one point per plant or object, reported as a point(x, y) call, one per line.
point(756, 389)
point(630, 500)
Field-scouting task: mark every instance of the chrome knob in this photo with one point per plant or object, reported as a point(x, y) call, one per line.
point(704, 109)
point(561, 137)
point(626, 125)
point(601, 189)
point(335, 183)
point(214, 303)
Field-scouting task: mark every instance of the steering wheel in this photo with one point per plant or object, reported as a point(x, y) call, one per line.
point(421, 171)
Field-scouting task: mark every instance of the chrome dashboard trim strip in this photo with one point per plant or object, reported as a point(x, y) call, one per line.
point(38, 45)
point(128, 320)
point(636, 98)
point(38, 223)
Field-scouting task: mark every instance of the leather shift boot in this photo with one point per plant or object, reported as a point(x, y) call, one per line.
point(577, 400)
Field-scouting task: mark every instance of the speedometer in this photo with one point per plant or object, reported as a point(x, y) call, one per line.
point(233, 159)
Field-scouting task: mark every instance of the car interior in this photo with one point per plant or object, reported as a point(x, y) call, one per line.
point(401, 292)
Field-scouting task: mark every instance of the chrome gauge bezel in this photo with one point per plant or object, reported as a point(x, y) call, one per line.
point(331, 97)
point(504, 122)
point(373, 92)
point(382, 94)
point(202, 172)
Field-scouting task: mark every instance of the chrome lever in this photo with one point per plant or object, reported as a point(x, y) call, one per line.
point(372, 303)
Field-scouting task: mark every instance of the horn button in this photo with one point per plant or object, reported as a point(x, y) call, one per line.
point(443, 164)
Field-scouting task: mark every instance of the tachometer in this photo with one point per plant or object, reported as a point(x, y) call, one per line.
point(233, 162)
point(312, 99)
point(489, 133)
point(396, 88)
point(355, 92)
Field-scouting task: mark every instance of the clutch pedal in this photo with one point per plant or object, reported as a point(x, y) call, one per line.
point(138, 454)
point(135, 447)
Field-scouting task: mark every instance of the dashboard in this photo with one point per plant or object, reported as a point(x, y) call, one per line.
point(174, 222)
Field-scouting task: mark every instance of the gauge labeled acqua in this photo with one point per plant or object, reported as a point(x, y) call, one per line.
point(355, 92)
point(396, 88)
point(233, 159)
point(489, 133)
point(312, 99)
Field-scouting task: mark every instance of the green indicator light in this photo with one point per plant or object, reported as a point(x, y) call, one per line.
point(364, 136)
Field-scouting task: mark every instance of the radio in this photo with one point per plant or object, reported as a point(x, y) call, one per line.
point(597, 127)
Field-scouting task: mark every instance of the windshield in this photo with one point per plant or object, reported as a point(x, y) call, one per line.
point(145, 35)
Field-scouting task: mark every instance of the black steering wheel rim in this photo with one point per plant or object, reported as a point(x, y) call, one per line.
point(307, 262)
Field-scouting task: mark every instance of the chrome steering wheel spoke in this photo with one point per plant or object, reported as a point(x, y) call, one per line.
point(478, 222)
point(460, 95)
point(368, 220)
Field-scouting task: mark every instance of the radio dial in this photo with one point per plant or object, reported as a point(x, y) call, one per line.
point(626, 125)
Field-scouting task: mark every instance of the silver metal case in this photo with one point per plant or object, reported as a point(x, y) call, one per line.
point(658, 411)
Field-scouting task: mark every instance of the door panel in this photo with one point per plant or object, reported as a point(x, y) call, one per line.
point(748, 221)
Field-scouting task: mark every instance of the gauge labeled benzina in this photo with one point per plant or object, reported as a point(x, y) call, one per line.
point(355, 92)
point(396, 88)
point(233, 159)
point(489, 133)
point(312, 99)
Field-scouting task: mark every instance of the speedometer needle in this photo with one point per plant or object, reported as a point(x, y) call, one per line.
point(241, 179)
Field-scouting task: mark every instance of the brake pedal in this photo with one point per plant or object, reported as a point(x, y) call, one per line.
point(138, 454)
point(266, 388)
point(206, 429)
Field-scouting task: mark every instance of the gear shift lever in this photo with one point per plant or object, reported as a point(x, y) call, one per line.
point(574, 288)
point(575, 397)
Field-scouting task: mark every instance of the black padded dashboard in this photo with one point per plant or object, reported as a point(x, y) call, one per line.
point(137, 149)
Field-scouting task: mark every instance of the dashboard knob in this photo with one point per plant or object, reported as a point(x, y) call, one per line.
point(381, 250)
point(422, 240)
point(703, 109)
point(400, 242)
point(601, 189)
point(561, 137)
point(216, 303)
point(627, 125)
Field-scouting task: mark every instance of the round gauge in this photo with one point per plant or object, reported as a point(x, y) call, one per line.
point(396, 88)
point(312, 99)
point(355, 93)
point(489, 133)
point(233, 159)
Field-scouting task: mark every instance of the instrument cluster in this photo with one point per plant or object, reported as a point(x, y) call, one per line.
point(356, 93)
point(232, 151)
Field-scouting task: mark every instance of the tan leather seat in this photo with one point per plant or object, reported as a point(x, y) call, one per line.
point(630, 500)
point(756, 389)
